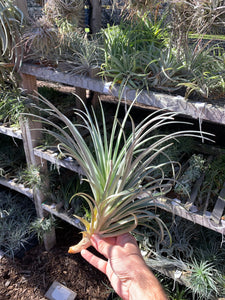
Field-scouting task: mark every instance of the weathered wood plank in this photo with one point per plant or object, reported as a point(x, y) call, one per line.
point(219, 206)
point(71, 220)
point(179, 104)
point(68, 164)
point(13, 132)
point(194, 192)
point(31, 139)
point(17, 187)
point(197, 217)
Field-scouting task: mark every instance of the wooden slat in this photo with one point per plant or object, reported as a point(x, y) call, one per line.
point(178, 104)
point(197, 217)
point(17, 187)
point(15, 133)
point(71, 165)
point(219, 206)
point(71, 220)
point(194, 192)
point(170, 273)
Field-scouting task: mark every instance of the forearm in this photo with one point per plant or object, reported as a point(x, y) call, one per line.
point(146, 287)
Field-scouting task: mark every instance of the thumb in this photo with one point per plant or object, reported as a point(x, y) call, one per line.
point(101, 245)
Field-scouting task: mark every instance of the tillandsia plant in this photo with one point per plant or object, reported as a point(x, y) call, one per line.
point(41, 226)
point(41, 40)
point(81, 54)
point(130, 49)
point(31, 177)
point(12, 104)
point(10, 24)
point(70, 10)
point(197, 165)
point(116, 167)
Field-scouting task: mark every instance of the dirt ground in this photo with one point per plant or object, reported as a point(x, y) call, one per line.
point(30, 276)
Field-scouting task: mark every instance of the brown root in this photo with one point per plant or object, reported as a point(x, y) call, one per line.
point(83, 244)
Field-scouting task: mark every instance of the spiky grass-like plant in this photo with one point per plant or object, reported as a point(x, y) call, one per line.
point(116, 167)
point(10, 24)
point(70, 9)
point(204, 280)
point(41, 226)
point(41, 40)
point(80, 54)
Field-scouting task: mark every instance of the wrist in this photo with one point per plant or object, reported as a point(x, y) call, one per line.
point(145, 286)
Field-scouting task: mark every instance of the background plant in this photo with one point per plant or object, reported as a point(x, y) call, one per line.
point(192, 173)
point(12, 105)
point(15, 220)
point(127, 46)
point(193, 250)
point(62, 191)
point(13, 160)
point(10, 30)
point(59, 10)
point(42, 226)
point(204, 279)
point(41, 41)
point(81, 53)
point(31, 177)
point(213, 182)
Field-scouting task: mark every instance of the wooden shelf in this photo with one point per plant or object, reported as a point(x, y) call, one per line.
point(196, 110)
point(13, 132)
point(52, 157)
point(197, 217)
point(71, 220)
point(172, 273)
point(17, 187)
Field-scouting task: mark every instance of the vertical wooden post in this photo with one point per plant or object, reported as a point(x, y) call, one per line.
point(96, 22)
point(80, 92)
point(95, 97)
point(22, 5)
point(31, 136)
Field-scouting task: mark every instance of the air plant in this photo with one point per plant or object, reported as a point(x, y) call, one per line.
point(130, 48)
point(81, 54)
point(204, 279)
point(70, 10)
point(116, 167)
point(31, 177)
point(192, 173)
point(12, 104)
point(42, 226)
point(16, 214)
point(10, 30)
point(41, 40)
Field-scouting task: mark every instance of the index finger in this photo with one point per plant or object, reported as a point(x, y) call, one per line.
point(95, 261)
point(104, 246)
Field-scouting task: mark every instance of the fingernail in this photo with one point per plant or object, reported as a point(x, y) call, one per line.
point(83, 251)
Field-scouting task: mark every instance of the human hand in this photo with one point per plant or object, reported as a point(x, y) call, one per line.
point(125, 267)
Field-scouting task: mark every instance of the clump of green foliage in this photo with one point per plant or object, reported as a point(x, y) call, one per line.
point(191, 174)
point(12, 105)
point(13, 160)
point(15, 220)
point(42, 226)
point(213, 182)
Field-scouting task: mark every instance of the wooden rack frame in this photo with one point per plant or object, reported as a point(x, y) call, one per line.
point(38, 156)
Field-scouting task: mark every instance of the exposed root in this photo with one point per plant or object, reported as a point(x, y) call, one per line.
point(83, 244)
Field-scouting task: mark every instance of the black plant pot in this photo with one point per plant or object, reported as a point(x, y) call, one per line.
point(31, 243)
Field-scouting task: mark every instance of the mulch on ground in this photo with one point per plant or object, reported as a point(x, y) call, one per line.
point(30, 277)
